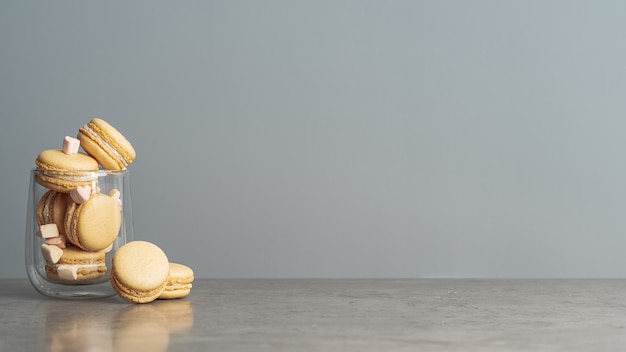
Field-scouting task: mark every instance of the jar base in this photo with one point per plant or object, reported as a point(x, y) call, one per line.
point(61, 291)
point(88, 293)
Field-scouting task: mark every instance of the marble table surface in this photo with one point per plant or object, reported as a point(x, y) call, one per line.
point(328, 315)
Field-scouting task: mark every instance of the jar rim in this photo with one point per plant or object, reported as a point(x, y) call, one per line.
point(94, 173)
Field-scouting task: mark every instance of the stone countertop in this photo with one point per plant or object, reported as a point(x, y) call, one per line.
point(327, 315)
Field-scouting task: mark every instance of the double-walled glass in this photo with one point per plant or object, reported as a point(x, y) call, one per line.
point(113, 183)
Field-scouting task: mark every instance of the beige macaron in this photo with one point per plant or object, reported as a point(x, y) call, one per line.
point(139, 271)
point(76, 265)
point(106, 144)
point(63, 172)
point(178, 282)
point(94, 224)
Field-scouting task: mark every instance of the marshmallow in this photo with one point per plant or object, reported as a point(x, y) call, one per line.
point(48, 231)
point(51, 254)
point(70, 145)
point(114, 193)
point(80, 194)
point(59, 241)
point(68, 272)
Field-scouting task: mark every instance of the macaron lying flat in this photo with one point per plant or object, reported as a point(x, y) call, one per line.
point(179, 282)
point(62, 172)
point(139, 271)
point(51, 209)
point(94, 224)
point(106, 144)
point(76, 265)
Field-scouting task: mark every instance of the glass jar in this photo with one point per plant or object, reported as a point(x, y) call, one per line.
point(60, 265)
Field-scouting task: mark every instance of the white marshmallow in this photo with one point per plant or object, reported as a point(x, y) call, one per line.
point(51, 253)
point(48, 231)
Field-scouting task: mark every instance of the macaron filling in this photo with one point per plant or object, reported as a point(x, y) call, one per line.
point(178, 287)
point(71, 175)
point(70, 225)
point(109, 149)
point(70, 272)
point(47, 217)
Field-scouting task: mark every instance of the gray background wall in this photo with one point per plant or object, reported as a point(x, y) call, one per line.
point(337, 138)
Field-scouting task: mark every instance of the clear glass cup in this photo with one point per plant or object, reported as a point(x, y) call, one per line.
point(101, 181)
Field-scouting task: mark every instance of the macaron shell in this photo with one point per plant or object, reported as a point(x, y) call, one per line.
point(55, 159)
point(179, 282)
point(139, 271)
point(106, 144)
point(94, 224)
point(134, 296)
point(52, 208)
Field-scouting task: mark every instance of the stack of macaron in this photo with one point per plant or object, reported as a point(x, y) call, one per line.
point(79, 223)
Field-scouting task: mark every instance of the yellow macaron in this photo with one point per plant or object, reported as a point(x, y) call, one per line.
point(63, 172)
point(139, 271)
point(94, 224)
point(77, 265)
point(106, 144)
point(179, 282)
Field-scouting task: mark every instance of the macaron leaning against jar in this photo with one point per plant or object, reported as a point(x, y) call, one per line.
point(139, 271)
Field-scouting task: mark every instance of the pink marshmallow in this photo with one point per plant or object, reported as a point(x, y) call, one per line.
point(114, 193)
point(59, 241)
point(80, 194)
point(70, 145)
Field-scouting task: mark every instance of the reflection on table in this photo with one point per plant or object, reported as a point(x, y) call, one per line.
point(135, 327)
